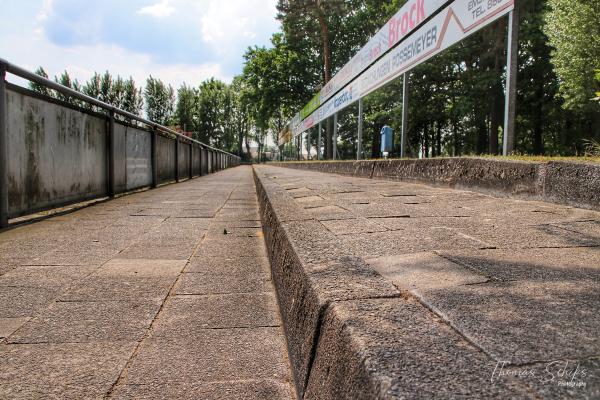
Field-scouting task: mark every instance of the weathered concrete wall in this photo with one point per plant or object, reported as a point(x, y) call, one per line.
point(195, 160)
point(204, 162)
point(138, 158)
point(165, 153)
point(576, 184)
point(56, 155)
point(184, 160)
point(59, 154)
point(571, 183)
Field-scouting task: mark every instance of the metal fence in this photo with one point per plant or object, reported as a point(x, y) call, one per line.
point(53, 153)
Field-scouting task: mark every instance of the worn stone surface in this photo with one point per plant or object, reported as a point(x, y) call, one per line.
point(572, 183)
point(252, 389)
point(120, 300)
point(391, 348)
point(82, 322)
point(61, 371)
point(188, 315)
point(211, 355)
point(475, 281)
point(197, 283)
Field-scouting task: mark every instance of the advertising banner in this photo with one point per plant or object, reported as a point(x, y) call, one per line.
point(457, 21)
point(406, 20)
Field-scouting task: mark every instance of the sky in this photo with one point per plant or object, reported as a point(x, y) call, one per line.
point(175, 40)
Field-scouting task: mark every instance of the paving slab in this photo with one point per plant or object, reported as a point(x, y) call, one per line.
point(212, 355)
point(252, 389)
point(88, 321)
point(188, 316)
point(61, 371)
point(229, 266)
point(201, 284)
point(21, 302)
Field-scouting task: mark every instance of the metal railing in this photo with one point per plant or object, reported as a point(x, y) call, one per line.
point(112, 111)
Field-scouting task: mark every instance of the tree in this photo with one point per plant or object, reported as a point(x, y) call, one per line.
point(42, 89)
point(159, 100)
point(185, 112)
point(132, 100)
point(573, 29)
point(210, 114)
point(66, 81)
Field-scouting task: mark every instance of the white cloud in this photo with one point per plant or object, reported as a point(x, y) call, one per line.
point(82, 61)
point(42, 16)
point(160, 10)
point(200, 40)
point(240, 22)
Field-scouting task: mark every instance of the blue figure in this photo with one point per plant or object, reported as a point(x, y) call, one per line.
point(387, 140)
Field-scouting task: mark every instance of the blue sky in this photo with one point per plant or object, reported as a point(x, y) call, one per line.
point(175, 40)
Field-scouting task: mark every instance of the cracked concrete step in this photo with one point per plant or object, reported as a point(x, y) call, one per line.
point(443, 293)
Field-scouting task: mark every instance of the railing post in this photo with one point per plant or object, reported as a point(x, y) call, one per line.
point(111, 153)
point(154, 157)
point(191, 163)
point(177, 159)
point(201, 157)
point(3, 150)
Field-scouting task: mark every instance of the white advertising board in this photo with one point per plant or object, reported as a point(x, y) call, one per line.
point(457, 21)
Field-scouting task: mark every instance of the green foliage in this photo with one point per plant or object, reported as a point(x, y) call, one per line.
point(573, 29)
point(66, 81)
point(36, 87)
point(159, 100)
point(592, 148)
point(457, 98)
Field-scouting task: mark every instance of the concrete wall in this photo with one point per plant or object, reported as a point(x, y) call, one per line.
point(56, 155)
point(571, 183)
point(195, 160)
point(165, 154)
point(138, 158)
point(59, 154)
point(203, 162)
point(184, 160)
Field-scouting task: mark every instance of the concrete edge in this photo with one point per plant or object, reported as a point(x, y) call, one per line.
point(293, 284)
point(574, 184)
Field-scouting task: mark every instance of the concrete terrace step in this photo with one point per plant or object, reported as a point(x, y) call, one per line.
point(156, 295)
point(400, 290)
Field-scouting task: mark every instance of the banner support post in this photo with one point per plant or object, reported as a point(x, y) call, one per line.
point(510, 101)
point(360, 129)
point(335, 132)
point(405, 100)
point(319, 143)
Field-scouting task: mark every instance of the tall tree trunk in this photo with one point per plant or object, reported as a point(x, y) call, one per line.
point(376, 147)
point(326, 73)
point(426, 142)
point(538, 121)
point(248, 146)
point(438, 139)
point(482, 135)
point(326, 50)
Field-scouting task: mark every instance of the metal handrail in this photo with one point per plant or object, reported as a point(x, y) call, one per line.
point(23, 73)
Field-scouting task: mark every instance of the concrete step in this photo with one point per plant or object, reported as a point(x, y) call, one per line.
point(394, 290)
